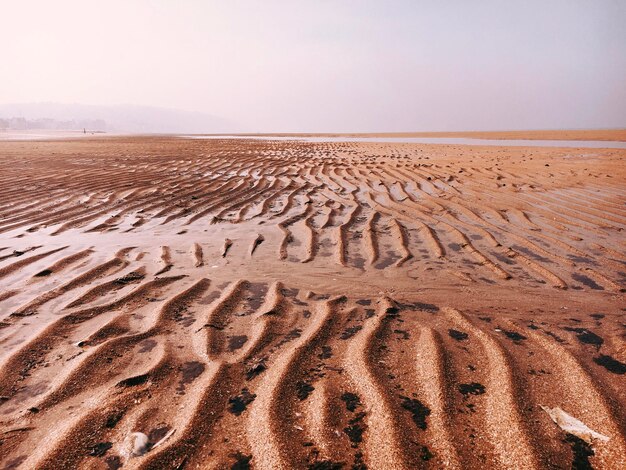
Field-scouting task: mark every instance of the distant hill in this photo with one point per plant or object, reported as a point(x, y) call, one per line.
point(118, 118)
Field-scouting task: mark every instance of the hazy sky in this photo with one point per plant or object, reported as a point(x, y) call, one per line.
point(327, 65)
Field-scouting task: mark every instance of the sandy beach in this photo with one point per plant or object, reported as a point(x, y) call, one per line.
point(178, 303)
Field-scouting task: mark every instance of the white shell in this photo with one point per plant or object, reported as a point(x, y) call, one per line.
point(135, 445)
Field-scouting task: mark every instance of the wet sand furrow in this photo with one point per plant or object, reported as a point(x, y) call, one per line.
point(107, 268)
point(269, 448)
point(503, 422)
point(382, 448)
point(14, 267)
point(429, 367)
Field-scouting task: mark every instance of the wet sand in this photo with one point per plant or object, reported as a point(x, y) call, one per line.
point(259, 304)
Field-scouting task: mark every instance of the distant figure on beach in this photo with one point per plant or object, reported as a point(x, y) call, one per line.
point(84, 130)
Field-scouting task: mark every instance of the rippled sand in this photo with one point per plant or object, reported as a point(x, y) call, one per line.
point(295, 304)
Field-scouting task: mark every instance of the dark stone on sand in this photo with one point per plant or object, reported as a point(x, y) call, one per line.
point(238, 403)
point(351, 400)
point(457, 335)
point(418, 410)
point(303, 390)
point(133, 381)
point(612, 365)
point(473, 388)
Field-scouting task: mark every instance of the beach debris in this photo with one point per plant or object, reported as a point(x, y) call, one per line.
point(255, 366)
point(164, 438)
point(573, 426)
point(135, 445)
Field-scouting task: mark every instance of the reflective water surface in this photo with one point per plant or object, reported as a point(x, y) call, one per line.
point(433, 140)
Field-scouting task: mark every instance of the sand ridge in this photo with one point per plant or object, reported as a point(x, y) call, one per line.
point(273, 304)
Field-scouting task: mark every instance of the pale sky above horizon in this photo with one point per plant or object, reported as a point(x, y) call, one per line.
point(335, 66)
